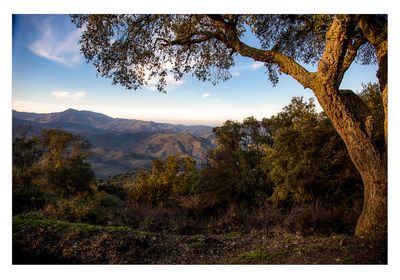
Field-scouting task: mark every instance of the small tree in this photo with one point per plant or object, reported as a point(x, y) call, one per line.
point(26, 152)
point(308, 161)
point(173, 176)
point(233, 173)
point(63, 161)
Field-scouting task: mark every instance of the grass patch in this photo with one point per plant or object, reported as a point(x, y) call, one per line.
point(232, 234)
point(257, 256)
point(47, 241)
point(27, 221)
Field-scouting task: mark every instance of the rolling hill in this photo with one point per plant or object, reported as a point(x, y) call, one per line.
point(123, 145)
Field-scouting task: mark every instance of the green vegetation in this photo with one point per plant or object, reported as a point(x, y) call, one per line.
point(255, 256)
point(290, 173)
point(168, 179)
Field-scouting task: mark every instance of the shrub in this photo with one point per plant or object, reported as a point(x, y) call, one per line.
point(30, 198)
point(113, 189)
point(74, 177)
point(171, 177)
point(75, 209)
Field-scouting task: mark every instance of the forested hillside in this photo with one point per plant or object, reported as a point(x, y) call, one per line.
point(121, 145)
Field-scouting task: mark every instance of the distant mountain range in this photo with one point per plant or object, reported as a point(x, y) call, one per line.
point(123, 145)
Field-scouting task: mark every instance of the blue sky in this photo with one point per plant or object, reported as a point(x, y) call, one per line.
point(50, 75)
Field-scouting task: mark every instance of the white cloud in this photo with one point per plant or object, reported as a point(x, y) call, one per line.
point(205, 95)
point(239, 69)
point(69, 95)
point(56, 45)
point(256, 65)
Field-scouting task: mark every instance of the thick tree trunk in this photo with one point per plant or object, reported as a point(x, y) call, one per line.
point(351, 120)
point(373, 218)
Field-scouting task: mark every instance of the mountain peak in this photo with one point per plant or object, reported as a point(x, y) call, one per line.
point(71, 110)
point(102, 121)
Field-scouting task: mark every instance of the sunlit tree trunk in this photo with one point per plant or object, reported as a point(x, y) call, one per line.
point(344, 109)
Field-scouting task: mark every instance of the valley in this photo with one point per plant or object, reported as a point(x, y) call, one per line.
point(123, 145)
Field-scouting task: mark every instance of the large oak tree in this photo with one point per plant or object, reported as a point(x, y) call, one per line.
point(135, 50)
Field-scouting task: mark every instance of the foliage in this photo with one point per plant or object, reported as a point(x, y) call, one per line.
point(47, 166)
point(308, 161)
point(168, 178)
point(233, 173)
point(74, 177)
point(372, 97)
point(98, 208)
point(113, 188)
point(293, 158)
point(63, 161)
point(30, 197)
point(26, 152)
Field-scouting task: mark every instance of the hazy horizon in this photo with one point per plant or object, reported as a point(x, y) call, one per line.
point(183, 122)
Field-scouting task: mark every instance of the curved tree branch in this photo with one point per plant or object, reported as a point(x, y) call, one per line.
point(286, 64)
point(333, 62)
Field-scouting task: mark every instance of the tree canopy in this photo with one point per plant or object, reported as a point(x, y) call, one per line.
point(133, 49)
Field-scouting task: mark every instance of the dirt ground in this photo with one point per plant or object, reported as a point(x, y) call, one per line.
point(46, 241)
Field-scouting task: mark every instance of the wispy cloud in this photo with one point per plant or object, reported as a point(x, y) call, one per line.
point(256, 65)
point(56, 45)
point(205, 95)
point(238, 70)
point(69, 95)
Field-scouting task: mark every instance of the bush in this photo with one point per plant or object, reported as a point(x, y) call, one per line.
point(74, 177)
point(168, 178)
point(100, 208)
point(30, 198)
point(113, 189)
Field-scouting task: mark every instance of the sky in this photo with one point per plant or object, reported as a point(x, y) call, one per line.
point(49, 74)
